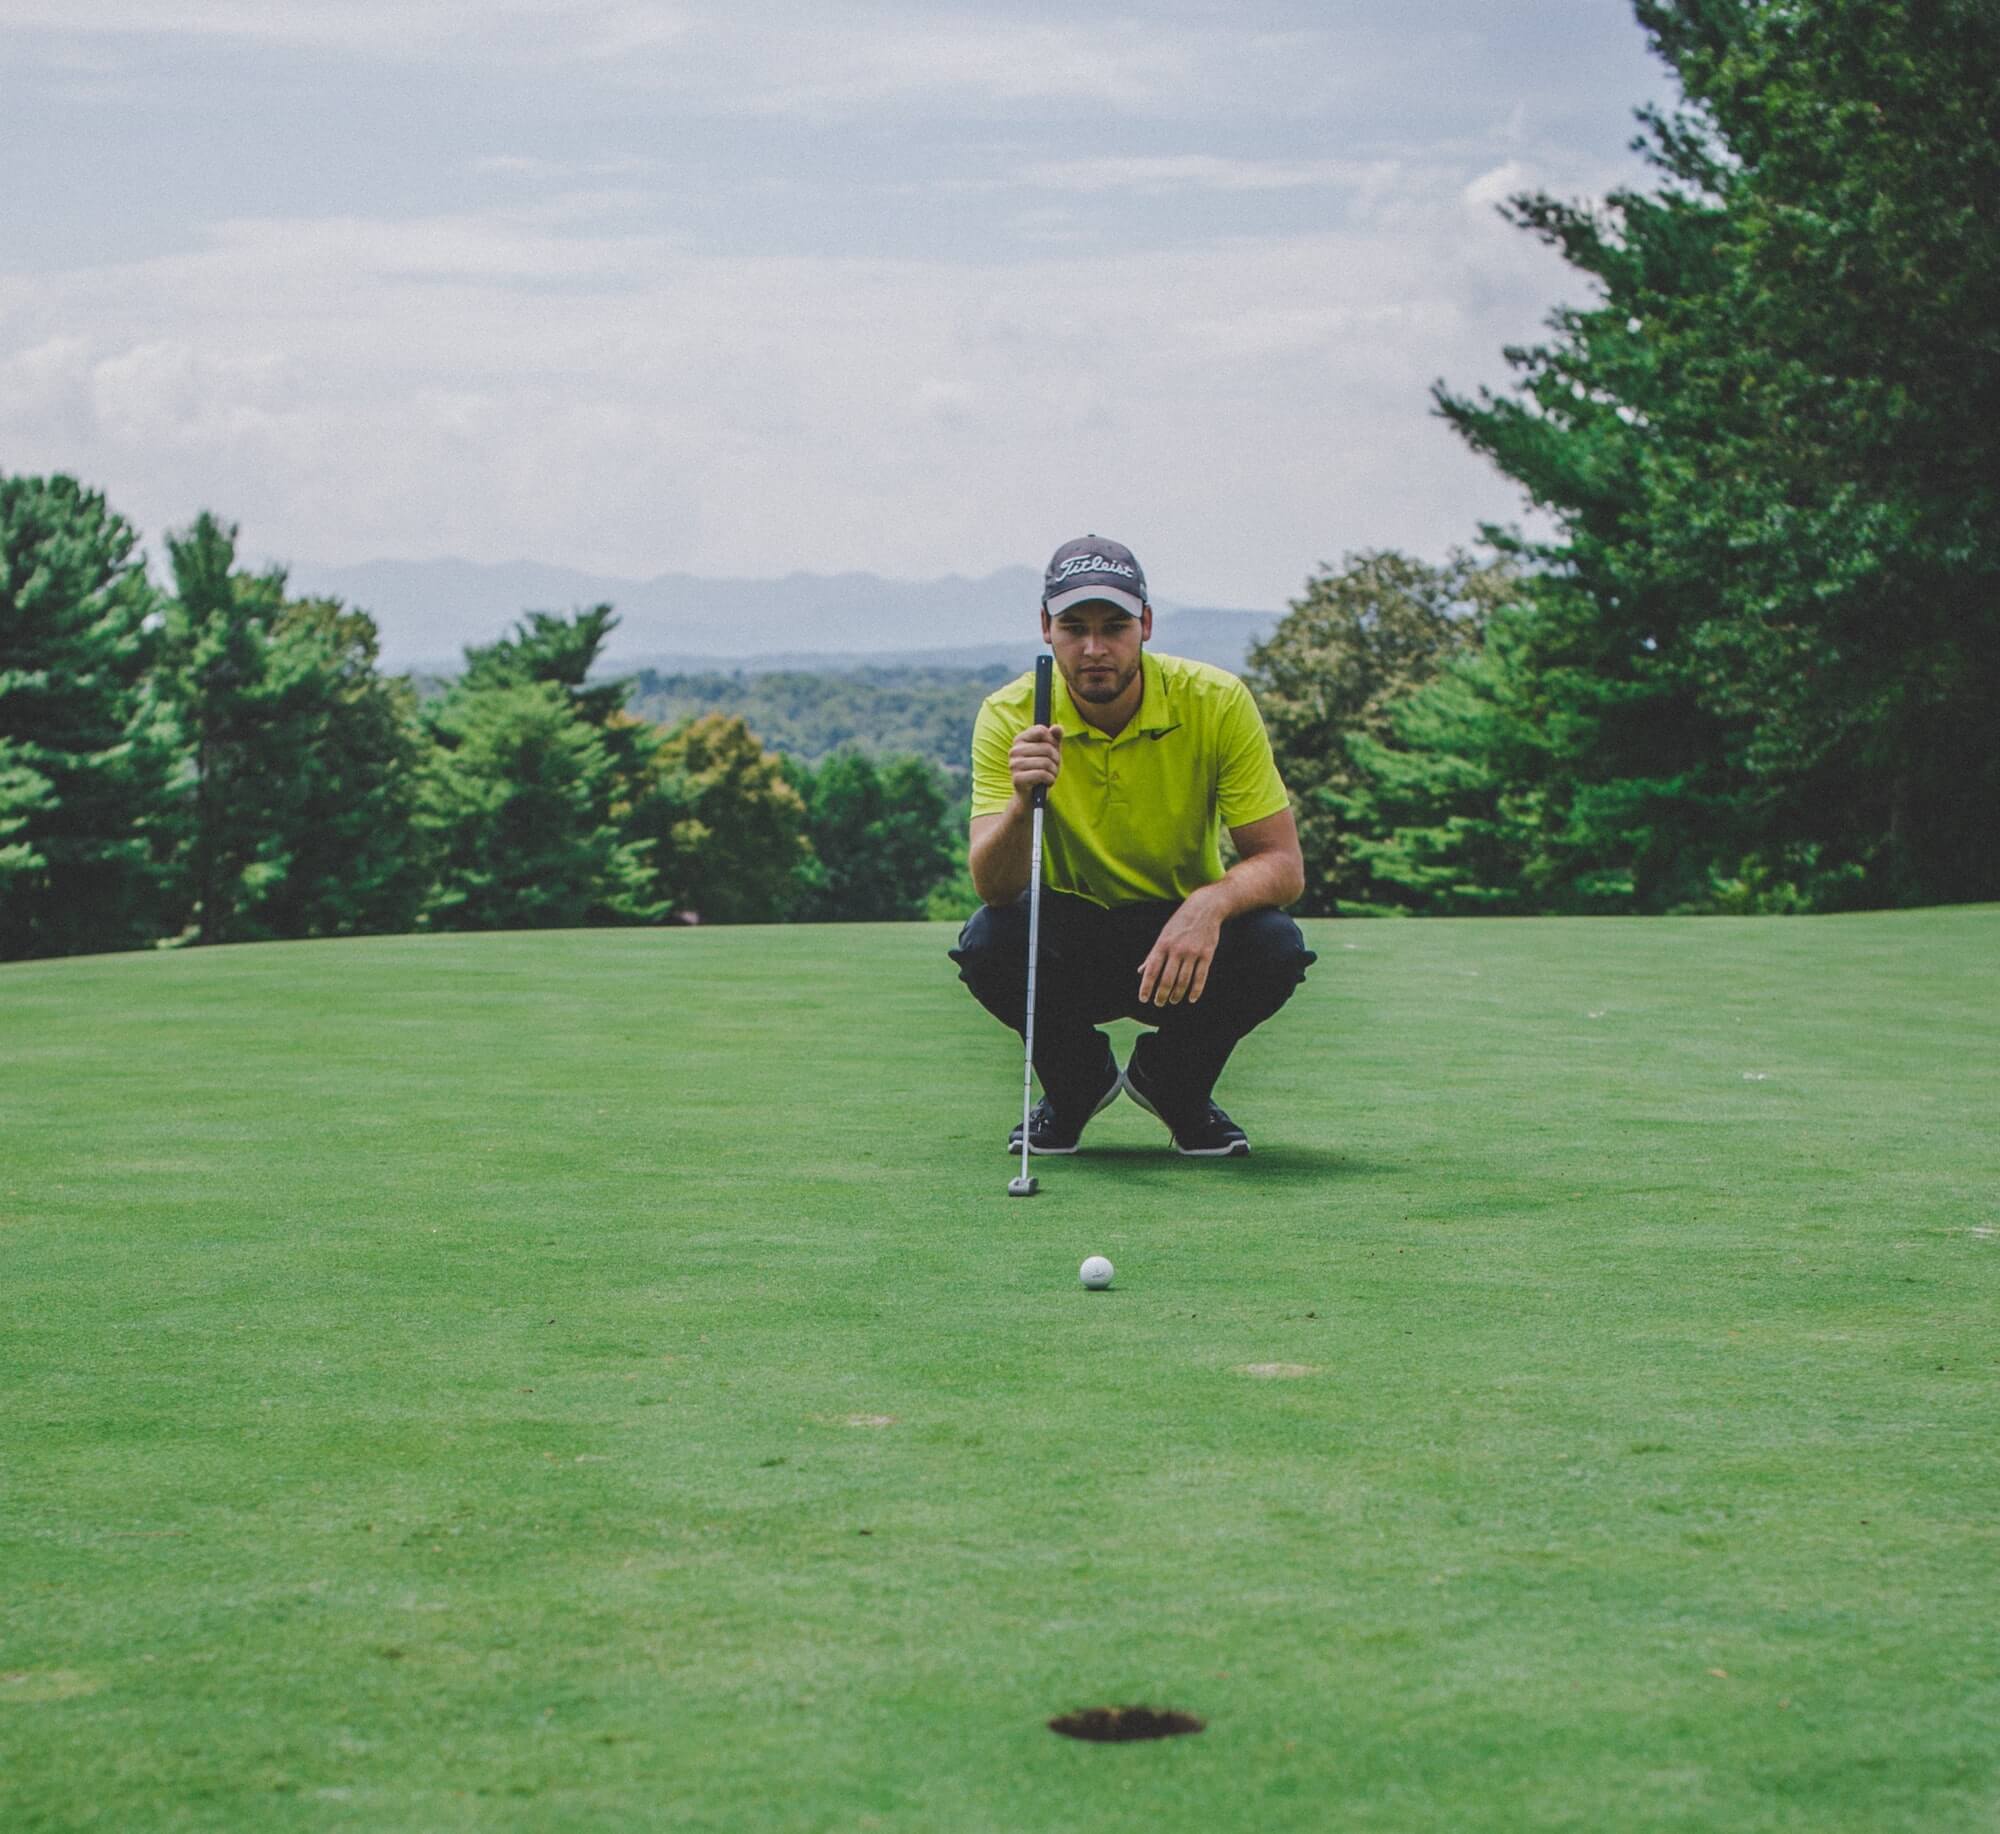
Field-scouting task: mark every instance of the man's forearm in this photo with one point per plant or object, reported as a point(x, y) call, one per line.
point(1000, 858)
point(1262, 882)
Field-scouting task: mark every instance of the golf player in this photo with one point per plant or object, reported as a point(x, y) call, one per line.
point(1147, 758)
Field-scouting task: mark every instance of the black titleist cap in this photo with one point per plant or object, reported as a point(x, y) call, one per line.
point(1092, 568)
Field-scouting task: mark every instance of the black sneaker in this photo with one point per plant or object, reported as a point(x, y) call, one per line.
point(1049, 1133)
point(1213, 1136)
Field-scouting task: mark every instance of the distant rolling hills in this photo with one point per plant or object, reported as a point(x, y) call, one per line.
point(428, 611)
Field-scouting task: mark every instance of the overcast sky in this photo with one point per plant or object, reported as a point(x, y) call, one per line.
point(744, 288)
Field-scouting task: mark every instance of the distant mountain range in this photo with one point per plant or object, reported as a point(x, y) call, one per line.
point(428, 611)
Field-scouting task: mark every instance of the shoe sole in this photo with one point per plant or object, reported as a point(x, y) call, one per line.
point(1236, 1149)
point(1063, 1152)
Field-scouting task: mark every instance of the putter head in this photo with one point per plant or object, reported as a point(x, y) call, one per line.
point(1022, 1187)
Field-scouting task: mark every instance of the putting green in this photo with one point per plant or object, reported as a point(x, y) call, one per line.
point(598, 1381)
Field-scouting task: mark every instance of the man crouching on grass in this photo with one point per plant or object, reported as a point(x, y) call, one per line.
point(1147, 759)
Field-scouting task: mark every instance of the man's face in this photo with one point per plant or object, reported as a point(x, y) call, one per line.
point(1097, 648)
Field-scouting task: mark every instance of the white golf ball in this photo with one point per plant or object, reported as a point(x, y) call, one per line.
point(1095, 1273)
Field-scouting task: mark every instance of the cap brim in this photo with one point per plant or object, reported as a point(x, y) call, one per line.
point(1094, 595)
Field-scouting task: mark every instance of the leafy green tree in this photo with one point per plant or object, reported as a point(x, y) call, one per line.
point(725, 826)
point(344, 810)
point(87, 750)
point(300, 819)
point(880, 839)
point(217, 637)
point(954, 898)
point(1361, 638)
point(1442, 804)
point(1843, 375)
point(918, 839)
point(1638, 783)
point(515, 802)
point(1766, 640)
point(561, 651)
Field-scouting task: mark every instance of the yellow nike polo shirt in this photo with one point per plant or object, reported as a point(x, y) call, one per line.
point(1140, 816)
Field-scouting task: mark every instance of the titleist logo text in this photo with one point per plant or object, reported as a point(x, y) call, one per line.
point(1095, 563)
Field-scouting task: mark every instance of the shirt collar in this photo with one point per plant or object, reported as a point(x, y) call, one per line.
point(1155, 715)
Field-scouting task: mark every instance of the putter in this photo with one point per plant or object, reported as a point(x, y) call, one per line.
point(1025, 1185)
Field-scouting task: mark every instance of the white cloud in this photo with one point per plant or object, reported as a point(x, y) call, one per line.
point(169, 396)
point(494, 386)
point(1206, 172)
point(1495, 187)
point(1116, 64)
point(529, 168)
point(351, 253)
point(843, 60)
point(753, 58)
point(606, 371)
point(393, 29)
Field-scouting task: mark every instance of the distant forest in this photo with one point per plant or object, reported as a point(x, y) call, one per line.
point(883, 712)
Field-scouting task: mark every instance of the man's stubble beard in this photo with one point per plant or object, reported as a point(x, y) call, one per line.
point(1099, 697)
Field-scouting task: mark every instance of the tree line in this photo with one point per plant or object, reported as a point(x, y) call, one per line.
point(1755, 666)
point(222, 762)
point(883, 710)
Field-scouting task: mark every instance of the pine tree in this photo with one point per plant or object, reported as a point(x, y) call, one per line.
point(1441, 803)
point(216, 648)
point(343, 808)
point(87, 750)
point(516, 805)
point(300, 817)
point(1769, 641)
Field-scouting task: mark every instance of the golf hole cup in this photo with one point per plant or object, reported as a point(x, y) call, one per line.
point(1095, 1273)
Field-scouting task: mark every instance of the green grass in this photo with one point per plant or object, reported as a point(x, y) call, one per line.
point(598, 1381)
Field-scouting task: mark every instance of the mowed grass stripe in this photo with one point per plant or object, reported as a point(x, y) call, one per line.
point(598, 1380)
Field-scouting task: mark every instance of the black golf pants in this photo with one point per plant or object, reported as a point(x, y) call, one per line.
point(1089, 974)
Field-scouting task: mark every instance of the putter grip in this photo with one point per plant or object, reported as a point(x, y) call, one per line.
point(1044, 695)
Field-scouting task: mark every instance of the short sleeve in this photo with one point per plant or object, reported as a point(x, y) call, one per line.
point(1248, 787)
point(993, 736)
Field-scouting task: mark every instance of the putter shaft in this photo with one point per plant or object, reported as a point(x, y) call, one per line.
point(1027, 1187)
point(1024, 1186)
